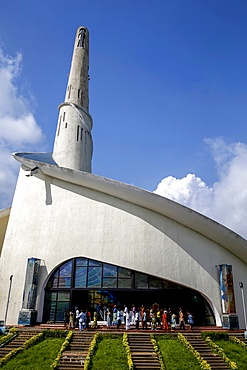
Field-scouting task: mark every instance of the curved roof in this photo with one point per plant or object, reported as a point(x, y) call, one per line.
point(143, 198)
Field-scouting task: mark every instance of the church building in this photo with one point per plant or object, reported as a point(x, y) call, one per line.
point(72, 238)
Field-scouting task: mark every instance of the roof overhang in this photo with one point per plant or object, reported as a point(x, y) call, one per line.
point(185, 216)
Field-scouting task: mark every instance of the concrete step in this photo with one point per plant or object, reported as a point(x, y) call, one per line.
point(74, 357)
point(70, 366)
point(142, 352)
point(213, 359)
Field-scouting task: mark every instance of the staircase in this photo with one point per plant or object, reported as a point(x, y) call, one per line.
point(75, 356)
point(142, 352)
point(240, 336)
point(17, 341)
point(214, 360)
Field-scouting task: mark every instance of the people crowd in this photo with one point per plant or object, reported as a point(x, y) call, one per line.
point(141, 317)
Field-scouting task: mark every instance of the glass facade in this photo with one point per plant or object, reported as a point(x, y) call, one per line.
point(88, 283)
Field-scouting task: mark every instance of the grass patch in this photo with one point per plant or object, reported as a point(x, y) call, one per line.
point(175, 355)
point(38, 357)
point(234, 352)
point(110, 354)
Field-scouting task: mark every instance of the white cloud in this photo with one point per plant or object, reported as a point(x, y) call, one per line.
point(18, 128)
point(226, 200)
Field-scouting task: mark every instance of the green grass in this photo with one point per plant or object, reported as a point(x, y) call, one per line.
point(175, 355)
point(234, 352)
point(38, 357)
point(110, 354)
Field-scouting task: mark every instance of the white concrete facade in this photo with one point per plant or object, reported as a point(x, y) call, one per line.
point(58, 214)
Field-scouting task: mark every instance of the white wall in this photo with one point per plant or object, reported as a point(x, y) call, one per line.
point(55, 220)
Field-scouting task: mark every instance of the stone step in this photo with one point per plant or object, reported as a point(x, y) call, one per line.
point(213, 359)
point(142, 352)
point(79, 348)
point(74, 357)
point(79, 359)
point(141, 359)
point(16, 342)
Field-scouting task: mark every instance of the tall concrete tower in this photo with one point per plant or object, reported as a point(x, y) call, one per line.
point(73, 146)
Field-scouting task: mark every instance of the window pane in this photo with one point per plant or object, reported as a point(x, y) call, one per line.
point(50, 296)
point(94, 277)
point(53, 296)
point(155, 283)
point(81, 277)
point(52, 311)
point(81, 261)
point(64, 282)
point(141, 281)
point(65, 270)
point(60, 310)
point(53, 283)
point(94, 263)
point(63, 296)
point(109, 270)
point(170, 285)
point(109, 282)
point(124, 283)
point(124, 273)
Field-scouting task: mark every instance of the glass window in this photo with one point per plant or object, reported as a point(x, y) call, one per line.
point(124, 273)
point(64, 282)
point(54, 282)
point(60, 310)
point(124, 283)
point(53, 311)
point(81, 261)
point(154, 283)
point(63, 296)
point(81, 277)
point(94, 277)
point(109, 270)
point(66, 269)
point(141, 281)
point(109, 282)
point(53, 296)
point(94, 263)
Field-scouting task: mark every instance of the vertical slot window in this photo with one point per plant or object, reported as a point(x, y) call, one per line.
point(78, 130)
point(58, 131)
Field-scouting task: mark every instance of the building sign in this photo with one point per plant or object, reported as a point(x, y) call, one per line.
point(226, 289)
point(31, 284)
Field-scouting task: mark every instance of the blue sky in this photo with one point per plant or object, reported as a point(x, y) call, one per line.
point(168, 93)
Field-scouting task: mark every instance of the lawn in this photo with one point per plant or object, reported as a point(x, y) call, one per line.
point(110, 354)
point(234, 352)
point(38, 357)
point(175, 355)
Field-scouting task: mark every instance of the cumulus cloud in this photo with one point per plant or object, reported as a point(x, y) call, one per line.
point(18, 128)
point(226, 200)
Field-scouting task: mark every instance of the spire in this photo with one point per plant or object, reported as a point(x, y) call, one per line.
point(73, 145)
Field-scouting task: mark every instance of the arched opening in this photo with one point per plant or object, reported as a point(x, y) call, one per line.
point(88, 284)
